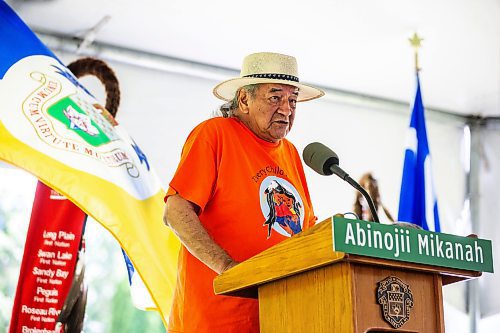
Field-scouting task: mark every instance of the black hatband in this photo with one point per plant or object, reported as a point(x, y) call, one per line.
point(275, 76)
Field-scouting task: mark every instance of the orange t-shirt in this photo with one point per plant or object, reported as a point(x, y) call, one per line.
point(252, 194)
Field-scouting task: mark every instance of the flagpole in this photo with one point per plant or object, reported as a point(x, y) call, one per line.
point(416, 42)
point(472, 293)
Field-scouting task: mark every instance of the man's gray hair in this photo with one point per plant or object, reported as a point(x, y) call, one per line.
point(227, 109)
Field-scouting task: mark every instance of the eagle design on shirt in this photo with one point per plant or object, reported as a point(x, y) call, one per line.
point(284, 209)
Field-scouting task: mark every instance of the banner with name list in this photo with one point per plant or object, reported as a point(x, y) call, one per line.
point(49, 260)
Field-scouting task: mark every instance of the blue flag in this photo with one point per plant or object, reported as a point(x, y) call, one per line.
point(417, 201)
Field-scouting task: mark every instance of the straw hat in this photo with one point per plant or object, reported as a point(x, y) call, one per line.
point(266, 67)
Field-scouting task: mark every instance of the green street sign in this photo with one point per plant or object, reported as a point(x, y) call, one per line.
point(411, 245)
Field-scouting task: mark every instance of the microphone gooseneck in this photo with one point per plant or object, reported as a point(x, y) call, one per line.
point(324, 161)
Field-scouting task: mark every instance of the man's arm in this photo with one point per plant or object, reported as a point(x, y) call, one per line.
point(180, 215)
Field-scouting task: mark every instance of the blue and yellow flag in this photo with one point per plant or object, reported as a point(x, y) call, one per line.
point(51, 126)
point(417, 201)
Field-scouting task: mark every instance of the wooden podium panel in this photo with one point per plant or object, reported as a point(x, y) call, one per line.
point(315, 301)
point(304, 286)
point(426, 316)
point(325, 299)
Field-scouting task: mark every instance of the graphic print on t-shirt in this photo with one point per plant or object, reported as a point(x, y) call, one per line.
point(282, 206)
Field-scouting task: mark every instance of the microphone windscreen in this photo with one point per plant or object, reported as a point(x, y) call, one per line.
point(320, 158)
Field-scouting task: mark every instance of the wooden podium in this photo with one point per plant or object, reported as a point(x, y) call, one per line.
point(304, 286)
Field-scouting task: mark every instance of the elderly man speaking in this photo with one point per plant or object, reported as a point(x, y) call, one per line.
point(239, 189)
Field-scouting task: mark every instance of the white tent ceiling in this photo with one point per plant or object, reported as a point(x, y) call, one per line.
point(359, 45)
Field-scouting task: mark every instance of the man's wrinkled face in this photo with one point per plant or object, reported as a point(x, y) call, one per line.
point(271, 110)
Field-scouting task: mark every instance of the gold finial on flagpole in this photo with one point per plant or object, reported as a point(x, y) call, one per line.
point(416, 42)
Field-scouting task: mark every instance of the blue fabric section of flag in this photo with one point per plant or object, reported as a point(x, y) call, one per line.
point(140, 154)
point(412, 200)
point(17, 41)
point(130, 267)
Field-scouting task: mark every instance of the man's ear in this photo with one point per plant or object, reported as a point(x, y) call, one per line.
point(243, 98)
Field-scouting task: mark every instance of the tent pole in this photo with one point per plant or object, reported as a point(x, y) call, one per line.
point(475, 125)
point(72, 45)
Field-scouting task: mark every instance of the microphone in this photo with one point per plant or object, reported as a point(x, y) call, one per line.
point(324, 161)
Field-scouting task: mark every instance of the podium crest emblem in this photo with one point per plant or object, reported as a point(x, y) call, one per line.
point(396, 300)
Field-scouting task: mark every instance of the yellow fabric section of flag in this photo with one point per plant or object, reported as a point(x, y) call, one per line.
point(136, 224)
